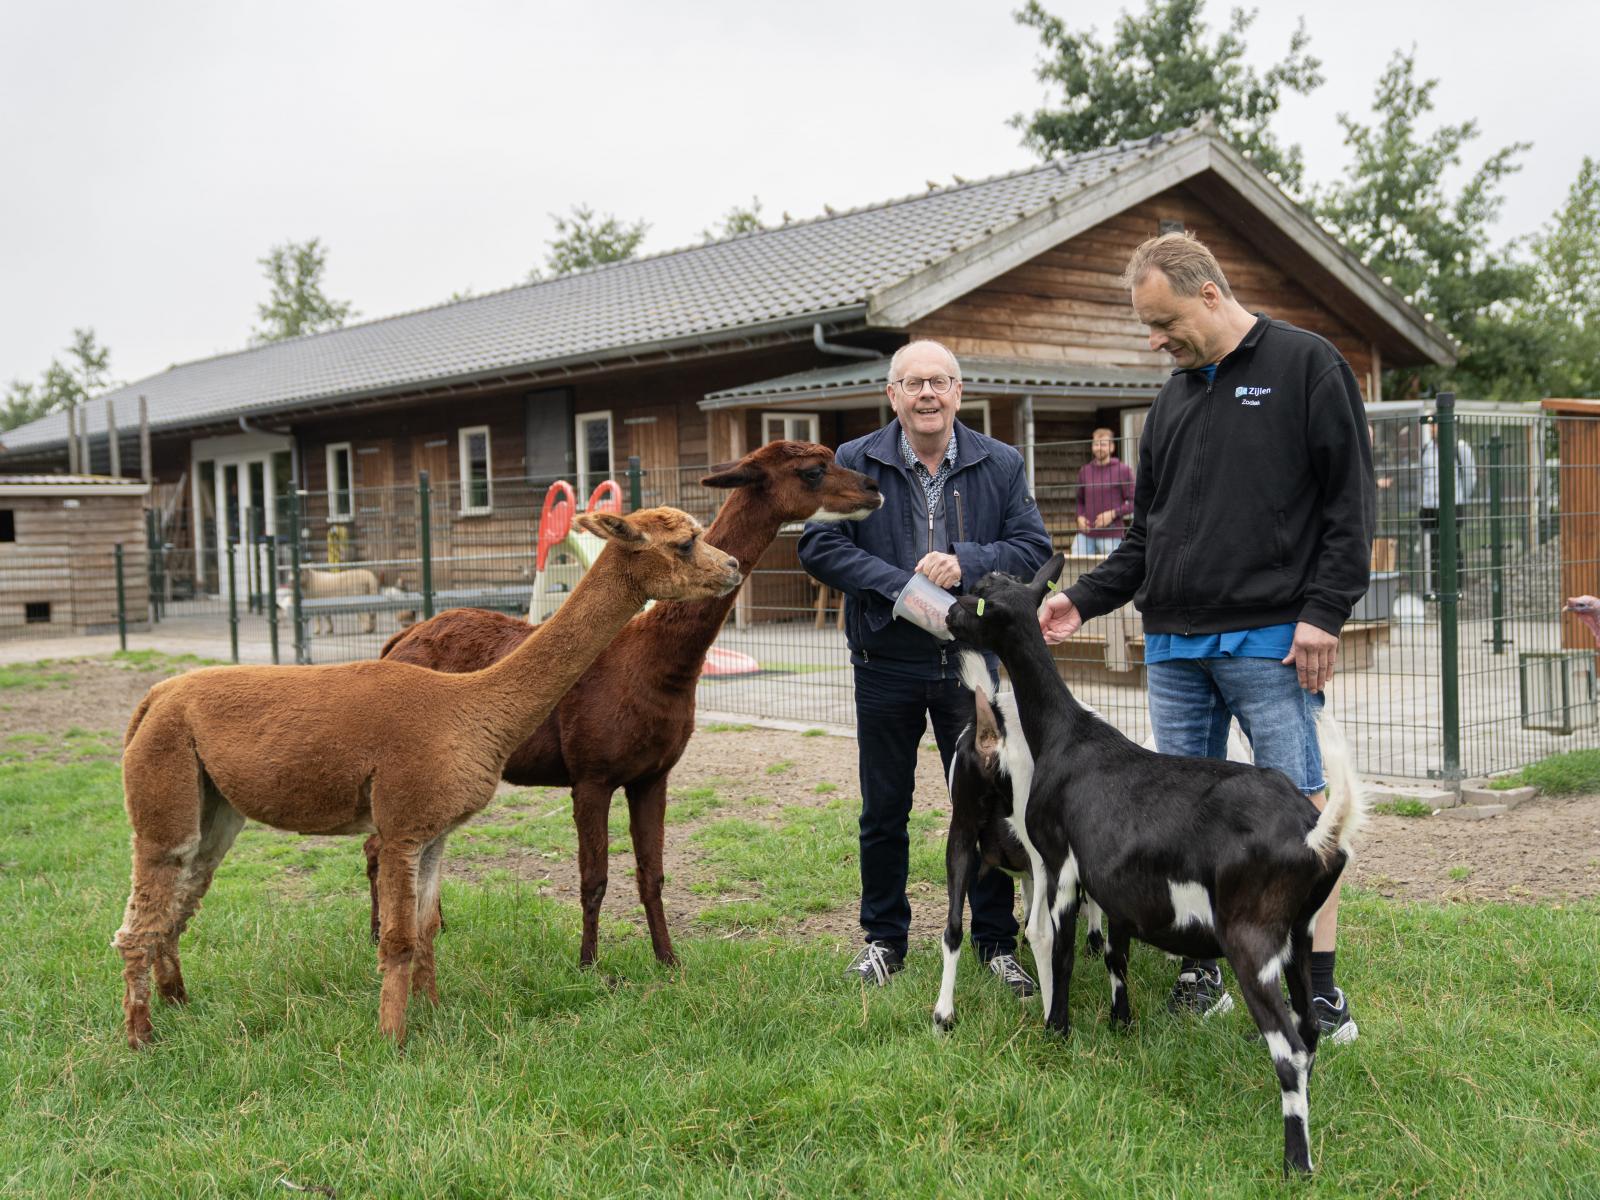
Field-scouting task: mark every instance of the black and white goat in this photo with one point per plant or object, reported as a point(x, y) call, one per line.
point(989, 776)
point(1197, 857)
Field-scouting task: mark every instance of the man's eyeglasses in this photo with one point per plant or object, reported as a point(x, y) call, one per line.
point(912, 386)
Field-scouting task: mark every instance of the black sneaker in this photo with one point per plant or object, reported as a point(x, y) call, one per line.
point(1338, 1026)
point(1012, 975)
point(1200, 993)
point(876, 962)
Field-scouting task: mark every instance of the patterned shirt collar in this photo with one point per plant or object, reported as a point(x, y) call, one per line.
point(932, 484)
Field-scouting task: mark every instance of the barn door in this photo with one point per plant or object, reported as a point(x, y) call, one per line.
point(652, 434)
point(437, 457)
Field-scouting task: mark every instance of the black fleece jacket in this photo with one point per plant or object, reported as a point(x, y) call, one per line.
point(1255, 501)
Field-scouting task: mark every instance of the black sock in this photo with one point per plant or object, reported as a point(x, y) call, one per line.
point(1322, 974)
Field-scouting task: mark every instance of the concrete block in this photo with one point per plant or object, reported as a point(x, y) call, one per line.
point(1474, 812)
point(1511, 797)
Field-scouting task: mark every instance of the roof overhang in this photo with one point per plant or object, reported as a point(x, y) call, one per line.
point(1213, 168)
point(71, 485)
point(857, 384)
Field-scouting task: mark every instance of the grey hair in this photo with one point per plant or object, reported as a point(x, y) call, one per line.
point(1183, 259)
point(894, 363)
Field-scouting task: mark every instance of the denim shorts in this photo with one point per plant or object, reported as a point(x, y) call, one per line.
point(1193, 699)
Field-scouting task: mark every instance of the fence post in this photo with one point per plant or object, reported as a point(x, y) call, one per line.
point(250, 558)
point(1449, 588)
point(295, 615)
point(1497, 565)
point(272, 595)
point(152, 542)
point(635, 484)
point(425, 537)
point(122, 603)
point(233, 603)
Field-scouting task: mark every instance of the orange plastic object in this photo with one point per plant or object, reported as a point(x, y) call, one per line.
point(555, 519)
point(606, 498)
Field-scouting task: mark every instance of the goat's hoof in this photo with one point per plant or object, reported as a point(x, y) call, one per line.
point(1296, 1170)
point(943, 1022)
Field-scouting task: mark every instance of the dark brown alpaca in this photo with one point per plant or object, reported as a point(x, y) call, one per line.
point(627, 720)
point(360, 747)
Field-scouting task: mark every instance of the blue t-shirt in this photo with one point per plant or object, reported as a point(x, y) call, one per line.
point(1270, 641)
point(1210, 372)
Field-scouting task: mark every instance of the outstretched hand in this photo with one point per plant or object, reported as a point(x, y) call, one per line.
point(1313, 655)
point(1059, 618)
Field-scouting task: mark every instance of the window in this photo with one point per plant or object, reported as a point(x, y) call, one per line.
point(8, 525)
point(340, 483)
point(36, 612)
point(788, 427)
point(974, 414)
point(594, 451)
point(476, 494)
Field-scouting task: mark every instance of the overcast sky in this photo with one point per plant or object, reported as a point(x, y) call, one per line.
point(154, 152)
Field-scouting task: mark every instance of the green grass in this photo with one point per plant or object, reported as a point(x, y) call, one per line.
point(752, 1071)
point(158, 660)
point(823, 788)
point(1460, 874)
point(779, 768)
point(726, 727)
point(1575, 773)
point(815, 733)
point(1404, 806)
point(32, 677)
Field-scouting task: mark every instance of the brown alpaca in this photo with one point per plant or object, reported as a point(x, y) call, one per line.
point(627, 720)
point(365, 746)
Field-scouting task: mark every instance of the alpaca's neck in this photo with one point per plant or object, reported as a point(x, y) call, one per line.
point(519, 691)
point(685, 629)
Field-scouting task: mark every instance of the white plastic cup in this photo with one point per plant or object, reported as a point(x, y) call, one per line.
point(925, 605)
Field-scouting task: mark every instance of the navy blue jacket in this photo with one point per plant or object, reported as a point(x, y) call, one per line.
point(987, 518)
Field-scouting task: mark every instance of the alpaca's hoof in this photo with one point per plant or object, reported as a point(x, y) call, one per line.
point(176, 994)
point(140, 1031)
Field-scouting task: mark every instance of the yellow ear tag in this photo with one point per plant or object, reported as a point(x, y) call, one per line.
point(980, 607)
point(1052, 585)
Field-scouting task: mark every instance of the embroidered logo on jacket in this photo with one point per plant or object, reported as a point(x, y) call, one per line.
point(1251, 395)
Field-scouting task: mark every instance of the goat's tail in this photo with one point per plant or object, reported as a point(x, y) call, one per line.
point(1346, 809)
point(975, 673)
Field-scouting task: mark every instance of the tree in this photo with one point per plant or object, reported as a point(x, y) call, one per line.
point(297, 305)
point(1394, 209)
point(735, 221)
point(63, 385)
point(1160, 73)
point(1564, 301)
point(587, 241)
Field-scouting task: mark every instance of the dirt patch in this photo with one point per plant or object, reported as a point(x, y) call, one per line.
point(1547, 850)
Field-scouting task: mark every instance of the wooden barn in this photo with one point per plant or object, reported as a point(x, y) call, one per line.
point(58, 535)
point(692, 357)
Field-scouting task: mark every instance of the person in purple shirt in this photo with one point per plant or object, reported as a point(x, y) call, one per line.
point(1105, 498)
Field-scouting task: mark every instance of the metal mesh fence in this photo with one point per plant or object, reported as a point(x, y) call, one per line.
point(1458, 662)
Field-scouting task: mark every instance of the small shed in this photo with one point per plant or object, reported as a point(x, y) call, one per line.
point(58, 535)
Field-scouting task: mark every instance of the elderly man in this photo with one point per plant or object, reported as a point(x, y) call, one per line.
point(1252, 532)
point(956, 506)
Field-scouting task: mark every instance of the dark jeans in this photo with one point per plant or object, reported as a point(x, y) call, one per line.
point(891, 711)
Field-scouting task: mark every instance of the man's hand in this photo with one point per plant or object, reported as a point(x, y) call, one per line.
point(1105, 518)
point(941, 569)
point(1083, 525)
point(1313, 655)
point(1059, 618)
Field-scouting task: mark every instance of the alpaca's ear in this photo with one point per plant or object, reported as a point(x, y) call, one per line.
point(1048, 578)
point(613, 528)
point(736, 476)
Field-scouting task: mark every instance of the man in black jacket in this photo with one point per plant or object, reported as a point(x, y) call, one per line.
point(1251, 538)
point(956, 506)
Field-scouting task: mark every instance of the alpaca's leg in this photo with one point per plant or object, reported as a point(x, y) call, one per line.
point(161, 781)
point(146, 926)
point(220, 823)
point(397, 903)
point(647, 814)
point(429, 869)
point(591, 808)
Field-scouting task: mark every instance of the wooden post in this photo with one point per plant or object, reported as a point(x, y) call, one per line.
point(144, 439)
point(111, 439)
point(72, 439)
